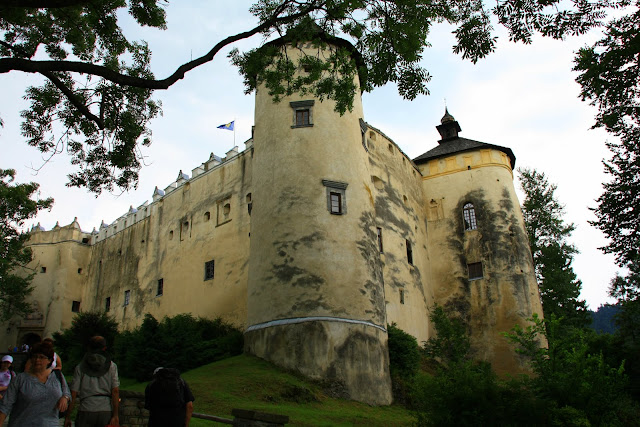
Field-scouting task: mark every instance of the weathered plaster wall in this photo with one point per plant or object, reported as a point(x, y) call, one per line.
point(60, 264)
point(508, 293)
point(395, 187)
point(183, 230)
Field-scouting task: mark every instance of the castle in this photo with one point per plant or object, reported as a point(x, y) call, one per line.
point(313, 239)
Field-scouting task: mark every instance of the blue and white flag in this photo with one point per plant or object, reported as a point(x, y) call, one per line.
point(227, 126)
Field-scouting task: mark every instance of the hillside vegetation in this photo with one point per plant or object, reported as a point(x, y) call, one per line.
point(246, 382)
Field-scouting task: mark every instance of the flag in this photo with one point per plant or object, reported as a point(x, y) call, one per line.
point(227, 126)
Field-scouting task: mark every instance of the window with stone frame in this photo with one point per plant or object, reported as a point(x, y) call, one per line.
point(302, 113)
point(469, 217)
point(336, 196)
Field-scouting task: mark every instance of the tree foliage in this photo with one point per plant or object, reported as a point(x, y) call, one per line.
point(552, 253)
point(181, 342)
point(72, 343)
point(97, 101)
point(16, 206)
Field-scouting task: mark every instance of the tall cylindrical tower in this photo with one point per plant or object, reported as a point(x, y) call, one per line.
point(315, 292)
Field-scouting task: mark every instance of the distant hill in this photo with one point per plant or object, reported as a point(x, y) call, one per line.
point(602, 320)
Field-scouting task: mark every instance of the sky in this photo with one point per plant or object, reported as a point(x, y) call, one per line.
point(522, 96)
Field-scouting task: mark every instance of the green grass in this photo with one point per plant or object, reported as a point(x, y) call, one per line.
point(247, 382)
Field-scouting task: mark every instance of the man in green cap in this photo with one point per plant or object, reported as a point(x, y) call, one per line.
point(95, 384)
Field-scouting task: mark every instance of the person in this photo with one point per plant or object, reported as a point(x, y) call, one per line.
point(168, 399)
point(35, 397)
point(96, 385)
point(57, 362)
point(6, 374)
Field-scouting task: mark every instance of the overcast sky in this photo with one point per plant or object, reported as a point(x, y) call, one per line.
point(522, 96)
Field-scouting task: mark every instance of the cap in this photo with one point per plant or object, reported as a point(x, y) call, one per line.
point(7, 358)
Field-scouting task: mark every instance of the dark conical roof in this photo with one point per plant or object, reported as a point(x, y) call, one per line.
point(451, 143)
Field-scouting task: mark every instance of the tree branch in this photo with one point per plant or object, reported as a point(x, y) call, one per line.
point(42, 67)
point(41, 4)
point(80, 106)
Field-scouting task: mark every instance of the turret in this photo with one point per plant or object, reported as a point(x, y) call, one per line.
point(315, 296)
point(481, 260)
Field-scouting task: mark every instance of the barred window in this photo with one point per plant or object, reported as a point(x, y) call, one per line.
point(127, 297)
point(469, 216)
point(160, 289)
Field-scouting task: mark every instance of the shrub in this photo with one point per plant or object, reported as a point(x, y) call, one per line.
point(71, 343)
point(183, 342)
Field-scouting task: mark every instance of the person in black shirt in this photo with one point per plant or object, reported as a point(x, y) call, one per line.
point(168, 399)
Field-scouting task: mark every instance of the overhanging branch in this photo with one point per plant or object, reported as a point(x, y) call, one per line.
point(43, 67)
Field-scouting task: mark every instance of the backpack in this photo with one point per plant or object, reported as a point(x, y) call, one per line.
point(167, 389)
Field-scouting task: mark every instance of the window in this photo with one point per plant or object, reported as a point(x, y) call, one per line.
point(85, 240)
point(380, 239)
point(80, 271)
point(336, 196)
point(249, 203)
point(409, 252)
point(207, 216)
point(336, 202)
point(75, 306)
point(107, 304)
point(302, 117)
point(127, 297)
point(224, 211)
point(302, 113)
point(475, 270)
point(401, 296)
point(209, 268)
point(43, 269)
point(160, 288)
point(171, 235)
point(469, 216)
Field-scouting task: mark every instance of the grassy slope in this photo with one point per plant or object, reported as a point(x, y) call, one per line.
point(247, 382)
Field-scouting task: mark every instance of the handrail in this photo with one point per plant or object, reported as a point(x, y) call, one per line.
point(212, 418)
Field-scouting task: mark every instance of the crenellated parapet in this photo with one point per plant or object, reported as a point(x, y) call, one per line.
point(134, 215)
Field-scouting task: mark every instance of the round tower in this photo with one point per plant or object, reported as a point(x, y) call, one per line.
point(315, 291)
point(481, 263)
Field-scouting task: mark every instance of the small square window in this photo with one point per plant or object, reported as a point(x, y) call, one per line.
point(475, 270)
point(209, 270)
point(75, 306)
point(127, 297)
point(43, 269)
point(80, 271)
point(107, 304)
point(160, 288)
point(302, 117)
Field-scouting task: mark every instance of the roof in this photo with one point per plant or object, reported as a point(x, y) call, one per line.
point(459, 145)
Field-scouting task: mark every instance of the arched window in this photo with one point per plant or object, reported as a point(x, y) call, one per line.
point(469, 216)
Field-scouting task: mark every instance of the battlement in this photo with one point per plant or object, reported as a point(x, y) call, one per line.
point(73, 232)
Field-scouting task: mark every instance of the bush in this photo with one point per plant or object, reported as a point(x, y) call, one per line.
point(71, 343)
point(404, 362)
point(181, 342)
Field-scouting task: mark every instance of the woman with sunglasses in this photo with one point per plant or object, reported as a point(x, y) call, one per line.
point(34, 397)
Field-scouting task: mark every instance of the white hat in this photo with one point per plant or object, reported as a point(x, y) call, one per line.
point(7, 358)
